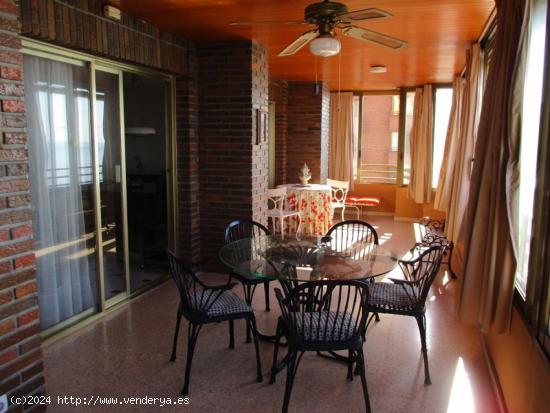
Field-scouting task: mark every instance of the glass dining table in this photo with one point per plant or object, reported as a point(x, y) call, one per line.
point(306, 259)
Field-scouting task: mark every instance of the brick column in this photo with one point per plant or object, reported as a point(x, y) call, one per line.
point(233, 83)
point(278, 93)
point(187, 124)
point(20, 344)
point(308, 130)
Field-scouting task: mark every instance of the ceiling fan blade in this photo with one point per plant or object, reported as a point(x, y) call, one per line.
point(260, 22)
point(300, 42)
point(374, 37)
point(365, 14)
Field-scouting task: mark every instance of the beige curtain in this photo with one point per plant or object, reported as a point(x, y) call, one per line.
point(488, 284)
point(445, 183)
point(341, 137)
point(420, 185)
point(457, 186)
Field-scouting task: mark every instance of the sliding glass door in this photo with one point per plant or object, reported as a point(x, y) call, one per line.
point(77, 162)
point(110, 177)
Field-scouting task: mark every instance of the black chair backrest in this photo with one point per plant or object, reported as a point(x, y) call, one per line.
point(353, 237)
point(421, 271)
point(195, 299)
point(325, 311)
point(244, 228)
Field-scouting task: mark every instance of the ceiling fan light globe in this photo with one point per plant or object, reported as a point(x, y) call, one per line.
point(325, 46)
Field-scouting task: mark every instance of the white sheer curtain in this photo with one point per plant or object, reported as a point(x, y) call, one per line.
point(60, 166)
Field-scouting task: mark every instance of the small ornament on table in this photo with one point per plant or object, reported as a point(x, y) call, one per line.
point(305, 175)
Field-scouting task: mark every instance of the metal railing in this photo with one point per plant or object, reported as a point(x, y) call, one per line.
point(378, 173)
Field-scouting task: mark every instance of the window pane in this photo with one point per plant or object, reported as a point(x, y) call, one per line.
point(532, 93)
point(443, 101)
point(407, 146)
point(380, 119)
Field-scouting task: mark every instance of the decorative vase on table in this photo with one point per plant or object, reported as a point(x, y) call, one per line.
point(305, 175)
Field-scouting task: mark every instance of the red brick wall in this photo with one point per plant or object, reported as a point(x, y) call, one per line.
point(233, 169)
point(20, 344)
point(308, 130)
point(278, 92)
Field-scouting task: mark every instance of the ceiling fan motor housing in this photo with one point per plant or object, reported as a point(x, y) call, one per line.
point(324, 11)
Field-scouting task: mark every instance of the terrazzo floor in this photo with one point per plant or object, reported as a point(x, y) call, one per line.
point(126, 354)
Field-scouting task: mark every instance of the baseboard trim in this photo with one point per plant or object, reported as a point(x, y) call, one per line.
point(494, 376)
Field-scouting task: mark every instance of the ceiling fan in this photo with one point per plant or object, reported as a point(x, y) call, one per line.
point(328, 16)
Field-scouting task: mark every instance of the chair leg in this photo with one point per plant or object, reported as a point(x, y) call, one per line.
point(343, 213)
point(290, 374)
point(299, 227)
point(450, 259)
point(421, 320)
point(248, 294)
point(361, 362)
point(252, 326)
point(278, 336)
point(376, 317)
point(231, 334)
point(266, 291)
point(193, 333)
point(282, 227)
point(351, 355)
point(176, 333)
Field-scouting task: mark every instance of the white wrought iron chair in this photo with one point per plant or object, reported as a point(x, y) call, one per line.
point(276, 209)
point(339, 191)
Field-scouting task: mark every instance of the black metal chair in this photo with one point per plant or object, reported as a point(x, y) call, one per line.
point(353, 237)
point(408, 297)
point(432, 235)
point(201, 304)
point(235, 231)
point(320, 316)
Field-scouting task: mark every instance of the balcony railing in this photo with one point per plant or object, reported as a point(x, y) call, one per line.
point(381, 174)
point(378, 173)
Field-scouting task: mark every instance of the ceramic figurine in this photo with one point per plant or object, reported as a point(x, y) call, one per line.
point(305, 175)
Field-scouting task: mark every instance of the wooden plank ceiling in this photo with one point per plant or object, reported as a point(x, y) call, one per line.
point(438, 33)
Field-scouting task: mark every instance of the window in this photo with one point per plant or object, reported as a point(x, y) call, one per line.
point(442, 111)
point(394, 141)
point(377, 122)
point(380, 153)
point(532, 98)
point(356, 148)
point(407, 142)
point(395, 104)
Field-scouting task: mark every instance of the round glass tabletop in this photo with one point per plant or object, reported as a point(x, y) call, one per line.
point(306, 259)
